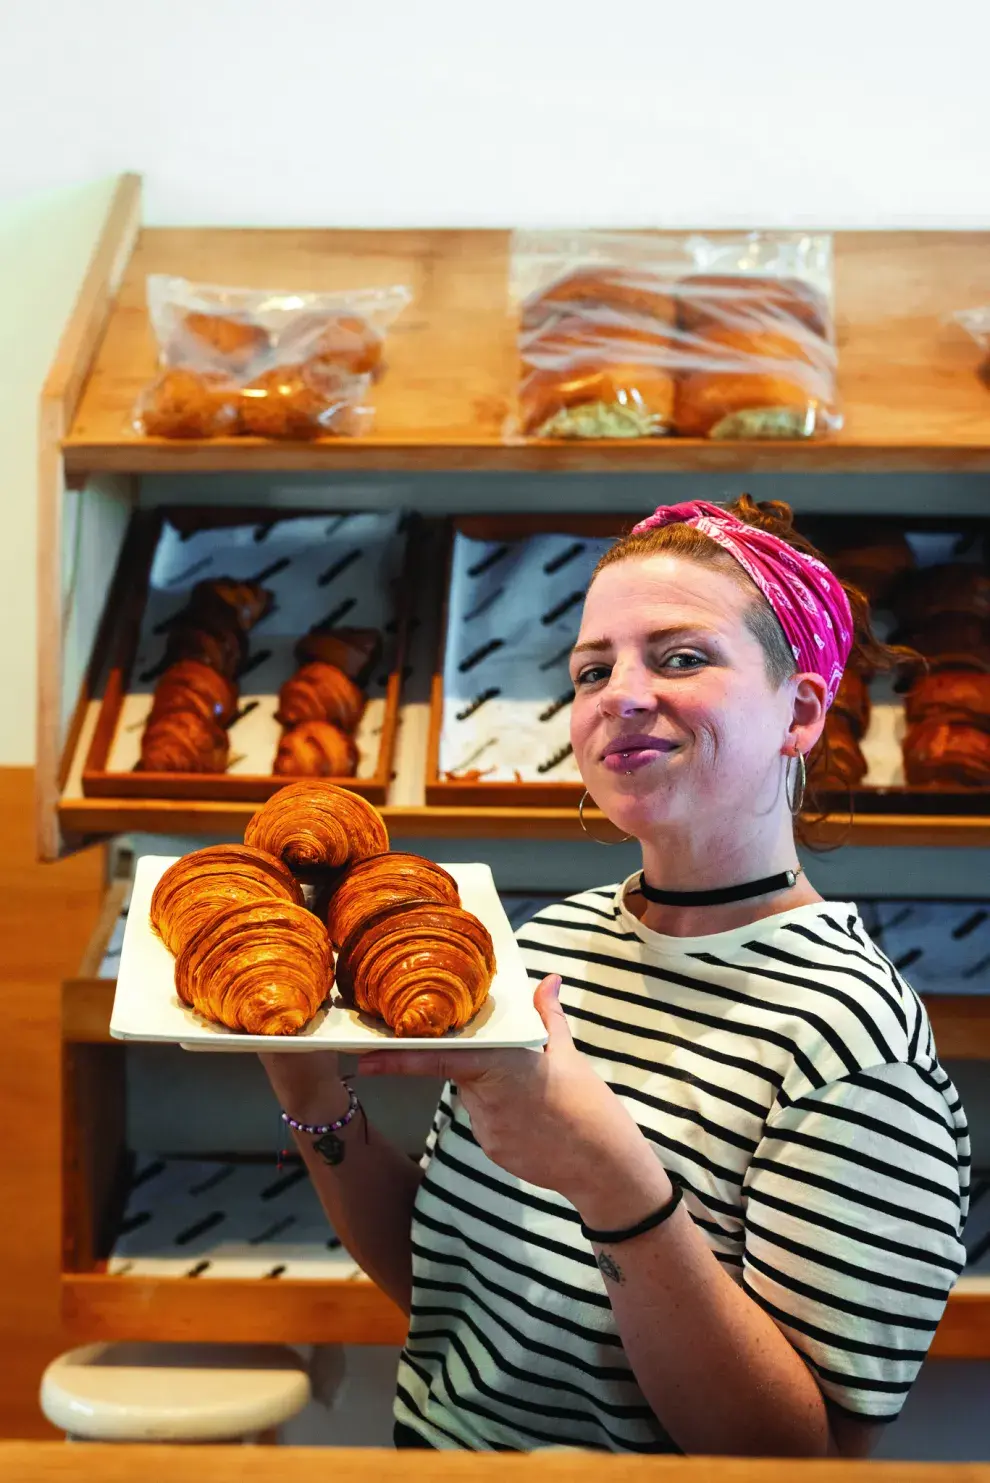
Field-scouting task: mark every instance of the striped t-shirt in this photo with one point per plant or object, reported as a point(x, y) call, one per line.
point(787, 1077)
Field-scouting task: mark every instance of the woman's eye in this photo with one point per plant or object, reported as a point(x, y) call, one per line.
point(684, 660)
point(591, 675)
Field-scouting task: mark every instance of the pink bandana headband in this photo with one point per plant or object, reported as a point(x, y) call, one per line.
point(809, 601)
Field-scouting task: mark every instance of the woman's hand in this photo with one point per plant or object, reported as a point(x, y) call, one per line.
point(544, 1116)
point(307, 1084)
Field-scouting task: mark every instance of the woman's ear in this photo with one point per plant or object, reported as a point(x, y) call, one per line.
point(808, 710)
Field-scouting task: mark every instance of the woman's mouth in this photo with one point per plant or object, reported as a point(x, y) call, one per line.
point(629, 753)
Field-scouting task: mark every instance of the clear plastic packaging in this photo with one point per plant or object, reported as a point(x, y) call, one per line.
point(976, 323)
point(263, 362)
point(641, 334)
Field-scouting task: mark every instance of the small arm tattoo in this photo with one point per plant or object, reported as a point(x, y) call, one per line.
point(609, 1268)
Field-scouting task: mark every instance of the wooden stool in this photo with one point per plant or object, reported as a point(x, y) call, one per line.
point(174, 1392)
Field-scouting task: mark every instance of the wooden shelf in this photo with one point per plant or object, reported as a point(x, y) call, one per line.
point(220, 1310)
point(92, 817)
point(908, 382)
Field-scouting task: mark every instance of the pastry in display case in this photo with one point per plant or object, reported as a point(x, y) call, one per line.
point(206, 689)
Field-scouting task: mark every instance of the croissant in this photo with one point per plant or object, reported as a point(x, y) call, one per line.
point(348, 341)
point(354, 650)
point(950, 695)
point(316, 749)
point(307, 400)
point(952, 587)
point(944, 752)
point(880, 559)
point(214, 638)
point(594, 335)
point(264, 968)
point(315, 824)
point(422, 968)
point(223, 596)
point(228, 340)
point(838, 764)
point(193, 890)
point(185, 404)
point(191, 685)
point(182, 741)
point(385, 880)
point(852, 703)
point(953, 640)
point(624, 288)
point(753, 384)
point(320, 692)
point(746, 302)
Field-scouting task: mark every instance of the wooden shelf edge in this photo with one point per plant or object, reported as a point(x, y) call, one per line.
point(102, 816)
point(961, 1022)
point(385, 455)
point(204, 1310)
point(220, 1310)
point(964, 1332)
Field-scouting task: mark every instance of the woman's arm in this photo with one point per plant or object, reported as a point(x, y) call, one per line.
point(368, 1196)
point(715, 1369)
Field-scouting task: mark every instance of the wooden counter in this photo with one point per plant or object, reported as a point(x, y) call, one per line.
point(25, 1462)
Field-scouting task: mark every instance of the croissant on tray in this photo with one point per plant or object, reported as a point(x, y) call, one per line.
point(950, 640)
point(190, 685)
point(316, 749)
point(196, 888)
point(212, 639)
point(961, 695)
point(183, 741)
point(881, 558)
point(314, 824)
point(952, 587)
point(247, 601)
point(354, 650)
point(262, 967)
point(385, 880)
point(423, 968)
point(852, 703)
point(320, 692)
point(945, 753)
point(838, 763)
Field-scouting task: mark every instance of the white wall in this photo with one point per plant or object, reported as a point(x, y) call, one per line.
point(446, 112)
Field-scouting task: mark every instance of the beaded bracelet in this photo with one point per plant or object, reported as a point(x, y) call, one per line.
point(319, 1129)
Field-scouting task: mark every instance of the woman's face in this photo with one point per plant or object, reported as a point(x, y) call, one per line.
point(675, 720)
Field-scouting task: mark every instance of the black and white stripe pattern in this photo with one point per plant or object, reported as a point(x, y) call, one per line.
point(786, 1074)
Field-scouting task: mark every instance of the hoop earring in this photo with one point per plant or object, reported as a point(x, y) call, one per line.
point(594, 837)
point(795, 795)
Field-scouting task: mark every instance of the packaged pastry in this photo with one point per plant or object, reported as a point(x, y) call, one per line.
point(645, 335)
point(263, 363)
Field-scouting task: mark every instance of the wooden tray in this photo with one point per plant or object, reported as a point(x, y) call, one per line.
point(444, 790)
point(99, 781)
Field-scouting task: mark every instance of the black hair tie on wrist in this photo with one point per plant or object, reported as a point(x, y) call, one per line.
point(612, 1238)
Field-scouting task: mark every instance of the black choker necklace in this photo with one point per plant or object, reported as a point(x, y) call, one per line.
point(770, 883)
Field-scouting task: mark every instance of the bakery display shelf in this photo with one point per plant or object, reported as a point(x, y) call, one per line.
point(907, 382)
point(98, 1306)
point(961, 1022)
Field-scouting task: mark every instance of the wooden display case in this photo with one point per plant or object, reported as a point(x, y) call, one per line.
point(912, 403)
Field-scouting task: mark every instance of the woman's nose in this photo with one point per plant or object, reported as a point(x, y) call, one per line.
point(628, 691)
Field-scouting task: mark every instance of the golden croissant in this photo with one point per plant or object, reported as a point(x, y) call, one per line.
point(422, 968)
point(385, 880)
point(316, 749)
point(263, 968)
point(320, 692)
point(314, 824)
point(196, 888)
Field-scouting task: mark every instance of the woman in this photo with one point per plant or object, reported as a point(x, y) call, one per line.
point(721, 1211)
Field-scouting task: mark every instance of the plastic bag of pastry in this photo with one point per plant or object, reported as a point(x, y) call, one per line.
point(264, 363)
point(644, 334)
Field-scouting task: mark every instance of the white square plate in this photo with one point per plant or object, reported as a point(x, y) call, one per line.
point(146, 1006)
